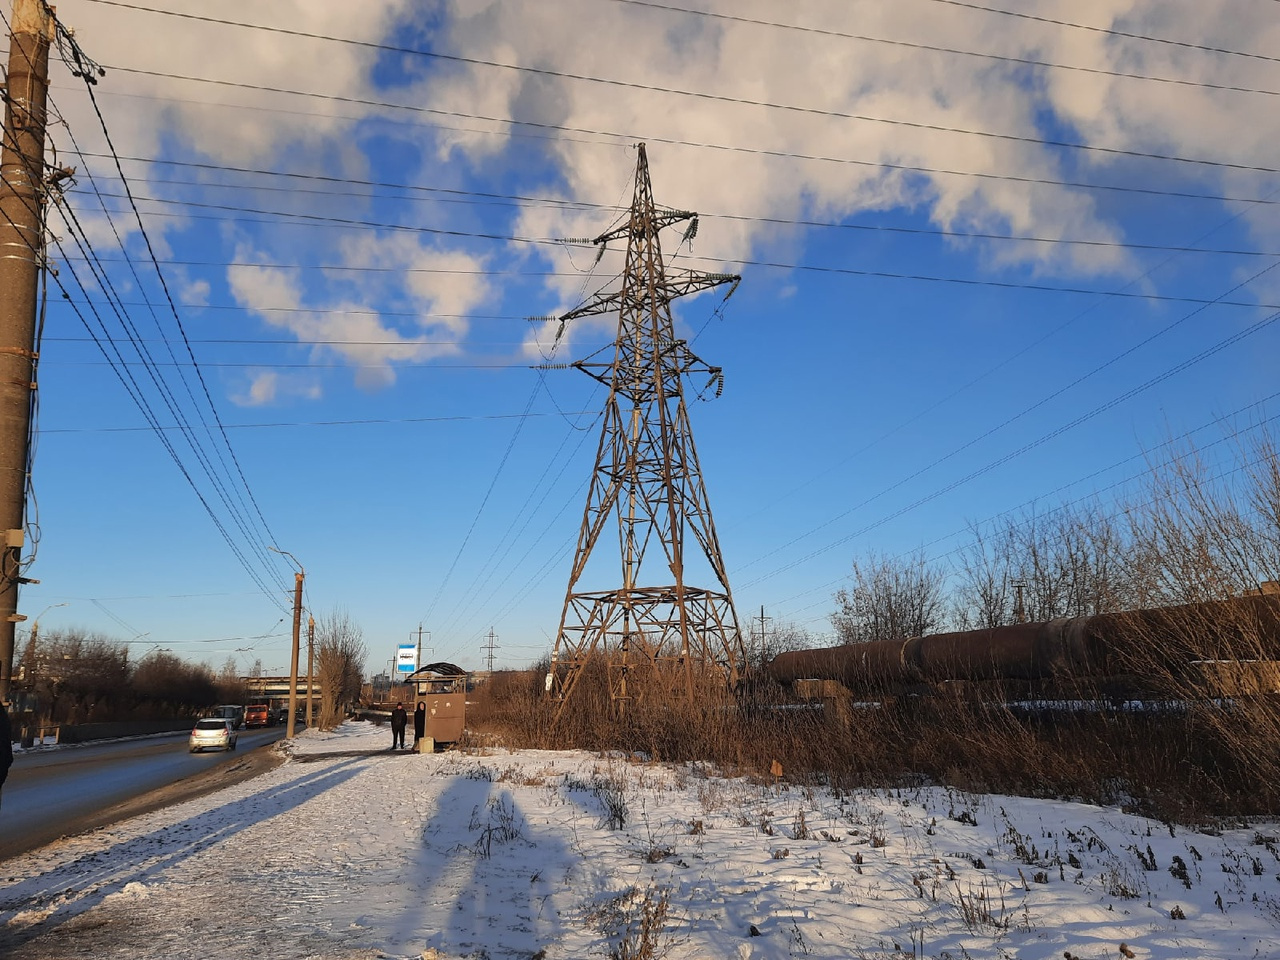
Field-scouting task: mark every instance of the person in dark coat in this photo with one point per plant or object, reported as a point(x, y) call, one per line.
point(6, 743)
point(419, 723)
point(399, 720)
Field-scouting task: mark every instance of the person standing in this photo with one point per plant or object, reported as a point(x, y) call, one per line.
point(6, 743)
point(419, 723)
point(399, 720)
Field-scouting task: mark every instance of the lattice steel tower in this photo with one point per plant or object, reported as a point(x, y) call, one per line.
point(657, 631)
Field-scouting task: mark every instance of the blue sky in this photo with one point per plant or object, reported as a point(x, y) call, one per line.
point(983, 260)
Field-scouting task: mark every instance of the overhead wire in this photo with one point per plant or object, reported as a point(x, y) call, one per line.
point(103, 282)
point(740, 101)
point(134, 390)
point(171, 401)
point(776, 154)
point(45, 273)
point(242, 491)
point(932, 48)
point(1140, 279)
point(725, 264)
point(937, 233)
point(630, 85)
point(1086, 498)
point(1082, 291)
point(1108, 31)
point(1223, 344)
point(368, 421)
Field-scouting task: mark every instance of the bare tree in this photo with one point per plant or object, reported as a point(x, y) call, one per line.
point(984, 595)
point(167, 685)
point(778, 638)
point(340, 656)
point(1208, 535)
point(231, 688)
point(77, 677)
point(1204, 538)
point(890, 599)
point(1074, 561)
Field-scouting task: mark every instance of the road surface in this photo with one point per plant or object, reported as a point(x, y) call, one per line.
point(53, 793)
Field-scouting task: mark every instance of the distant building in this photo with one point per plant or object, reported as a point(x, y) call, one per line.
point(274, 692)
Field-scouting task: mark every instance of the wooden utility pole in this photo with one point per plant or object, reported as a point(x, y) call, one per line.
point(22, 198)
point(293, 666)
point(298, 577)
point(311, 652)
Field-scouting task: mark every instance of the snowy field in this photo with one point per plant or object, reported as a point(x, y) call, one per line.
point(348, 851)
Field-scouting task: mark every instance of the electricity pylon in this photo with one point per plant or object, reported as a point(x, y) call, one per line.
point(658, 631)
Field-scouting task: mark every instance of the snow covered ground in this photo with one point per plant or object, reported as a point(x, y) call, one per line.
point(349, 851)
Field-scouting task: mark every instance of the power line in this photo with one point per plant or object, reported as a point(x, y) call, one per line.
point(67, 41)
point(764, 264)
point(775, 154)
point(1108, 31)
point(1021, 61)
point(722, 98)
point(1066, 486)
point(171, 401)
point(131, 385)
point(134, 391)
point(1079, 291)
point(372, 421)
point(738, 218)
point(1009, 359)
point(1000, 461)
point(542, 71)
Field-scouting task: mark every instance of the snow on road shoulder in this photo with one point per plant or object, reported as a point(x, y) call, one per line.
point(353, 851)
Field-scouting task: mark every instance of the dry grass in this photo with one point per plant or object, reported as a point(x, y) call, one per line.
point(1185, 727)
point(1182, 765)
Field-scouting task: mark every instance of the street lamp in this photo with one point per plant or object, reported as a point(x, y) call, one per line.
point(35, 624)
point(297, 628)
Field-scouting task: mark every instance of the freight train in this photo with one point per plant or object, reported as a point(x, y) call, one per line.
point(1237, 638)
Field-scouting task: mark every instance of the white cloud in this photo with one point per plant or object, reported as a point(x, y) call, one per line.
point(196, 293)
point(265, 388)
point(847, 79)
point(828, 159)
point(354, 329)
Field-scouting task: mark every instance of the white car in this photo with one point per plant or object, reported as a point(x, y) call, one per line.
point(213, 733)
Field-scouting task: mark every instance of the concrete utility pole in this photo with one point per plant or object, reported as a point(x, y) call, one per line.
point(311, 652)
point(22, 200)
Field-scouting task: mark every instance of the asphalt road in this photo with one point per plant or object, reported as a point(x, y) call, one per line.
point(59, 792)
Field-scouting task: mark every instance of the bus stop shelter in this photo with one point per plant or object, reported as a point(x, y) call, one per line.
point(443, 688)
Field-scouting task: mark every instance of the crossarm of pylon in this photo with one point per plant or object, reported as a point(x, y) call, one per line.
point(600, 303)
point(661, 218)
point(682, 283)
